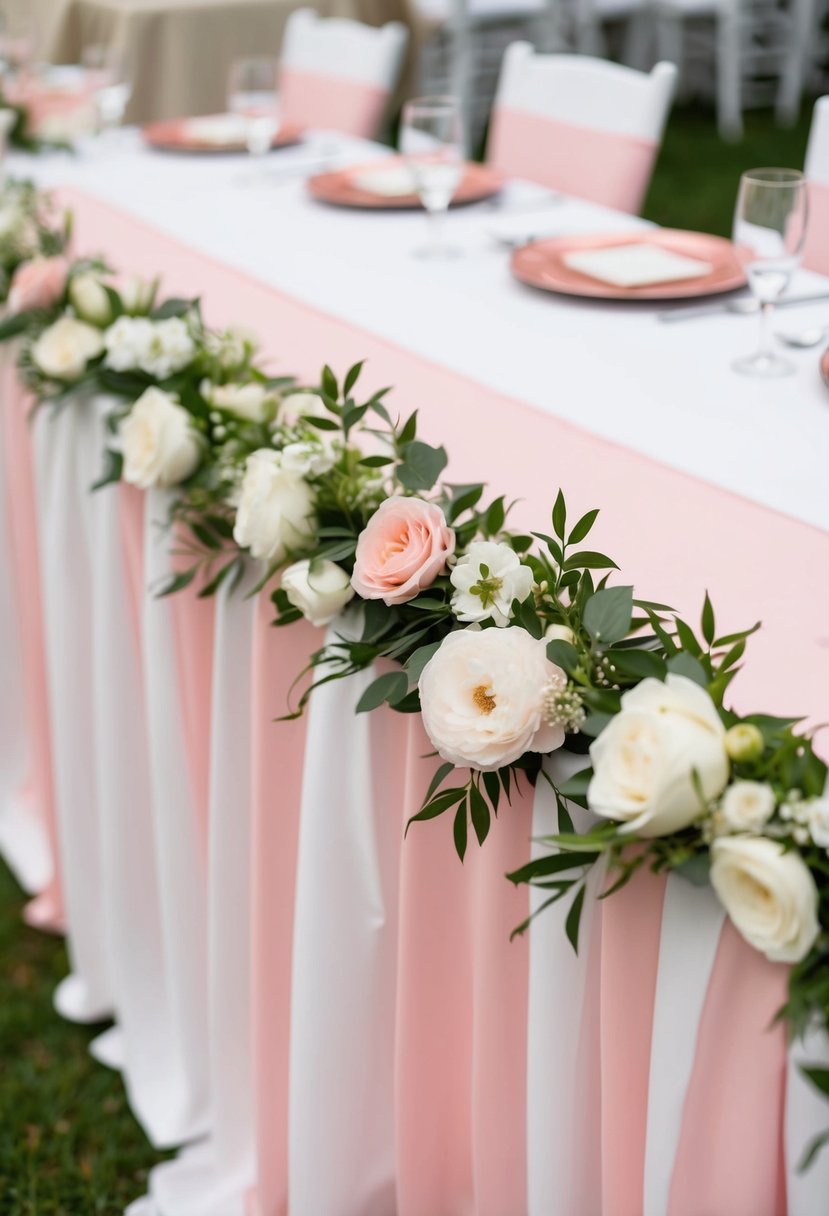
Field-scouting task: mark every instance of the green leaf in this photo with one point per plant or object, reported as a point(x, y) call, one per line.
point(439, 804)
point(709, 628)
point(563, 654)
point(352, 376)
point(479, 812)
point(215, 583)
point(696, 870)
point(174, 307)
point(493, 788)
point(459, 830)
point(376, 462)
point(464, 499)
point(586, 559)
point(177, 582)
point(552, 863)
point(439, 778)
point(15, 324)
point(571, 925)
point(565, 820)
point(559, 516)
point(687, 637)
point(409, 430)
point(576, 787)
point(582, 528)
point(608, 613)
point(638, 663)
point(812, 1149)
point(422, 465)
point(818, 1075)
point(418, 661)
point(329, 383)
point(494, 517)
point(113, 466)
point(683, 664)
point(389, 687)
point(552, 545)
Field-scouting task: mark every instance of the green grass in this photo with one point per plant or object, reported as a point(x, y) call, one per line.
point(695, 181)
point(68, 1143)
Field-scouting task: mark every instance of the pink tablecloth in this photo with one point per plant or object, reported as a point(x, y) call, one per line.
point(441, 1123)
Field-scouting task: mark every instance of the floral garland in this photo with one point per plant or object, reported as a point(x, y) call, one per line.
point(511, 645)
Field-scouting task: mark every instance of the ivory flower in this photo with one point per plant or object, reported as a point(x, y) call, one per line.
point(769, 894)
point(159, 348)
point(747, 805)
point(88, 297)
point(320, 590)
point(482, 696)
point(275, 512)
point(645, 758)
point(253, 401)
point(63, 350)
point(401, 551)
point(158, 441)
point(487, 579)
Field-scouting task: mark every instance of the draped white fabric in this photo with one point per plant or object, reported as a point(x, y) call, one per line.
point(806, 1118)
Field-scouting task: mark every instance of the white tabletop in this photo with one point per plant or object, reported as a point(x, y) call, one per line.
point(667, 391)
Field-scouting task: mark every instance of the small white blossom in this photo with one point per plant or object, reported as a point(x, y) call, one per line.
point(818, 821)
point(487, 578)
point(747, 805)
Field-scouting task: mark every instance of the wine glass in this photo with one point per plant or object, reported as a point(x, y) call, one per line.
point(108, 85)
point(251, 93)
point(431, 140)
point(19, 39)
point(769, 231)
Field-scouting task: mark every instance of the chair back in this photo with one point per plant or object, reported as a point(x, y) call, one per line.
point(816, 249)
point(337, 74)
point(584, 126)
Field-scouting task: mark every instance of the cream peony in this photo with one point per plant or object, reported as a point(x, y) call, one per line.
point(63, 350)
point(320, 591)
point(254, 401)
point(158, 441)
point(482, 697)
point(89, 299)
point(644, 759)
point(769, 894)
point(747, 805)
point(275, 512)
point(487, 579)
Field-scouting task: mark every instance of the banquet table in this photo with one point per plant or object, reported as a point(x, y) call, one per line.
point(342, 1010)
point(157, 37)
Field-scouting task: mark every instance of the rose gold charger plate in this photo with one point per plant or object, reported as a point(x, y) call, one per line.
point(479, 182)
point(824, 367)
point(541, 264)
point(175, 135)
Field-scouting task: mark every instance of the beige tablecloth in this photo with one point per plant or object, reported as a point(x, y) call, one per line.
point(179, 51)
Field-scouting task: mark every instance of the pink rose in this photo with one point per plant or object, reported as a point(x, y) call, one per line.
point(401, 550)
point(38, 284)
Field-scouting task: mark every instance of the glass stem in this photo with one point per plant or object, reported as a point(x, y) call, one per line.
point(766, 351)
point(436, 225)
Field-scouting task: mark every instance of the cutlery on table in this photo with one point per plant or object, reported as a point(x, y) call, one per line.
point(518, 242)
point(741, 307)
point(805, 339)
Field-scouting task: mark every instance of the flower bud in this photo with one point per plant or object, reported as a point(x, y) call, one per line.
point(744, 742)
point(559, 633)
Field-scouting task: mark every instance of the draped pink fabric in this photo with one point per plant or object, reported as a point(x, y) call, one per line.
point(309, 99)
point(46, 910)
point(461, 989)
point(604, 166)
point(816, 249)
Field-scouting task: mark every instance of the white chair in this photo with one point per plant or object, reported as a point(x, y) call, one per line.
point(816, 251)
point(337, 74)
point(761, 49)
point(580, 125)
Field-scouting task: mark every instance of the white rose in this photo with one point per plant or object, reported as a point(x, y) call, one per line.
point(302, 405)
point(253, 401)
point(160, 446)
point(275, 508)
point(480, 596)
point(89, 298)
point(747, 805)
point(63, 350)
point(818, 821)
point(307, 459)
point(644, 759)
point(559, 633)
point(320, 591)
point(232, 347)
point(769, 894)
point(137, 294)
point(482, 697)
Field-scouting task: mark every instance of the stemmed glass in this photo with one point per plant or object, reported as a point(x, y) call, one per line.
point(108, 86)
point(251, 93)
point(431, 140)
point(19, 37)
point(769, 231)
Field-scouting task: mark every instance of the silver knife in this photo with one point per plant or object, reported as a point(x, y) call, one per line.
point(744, 305)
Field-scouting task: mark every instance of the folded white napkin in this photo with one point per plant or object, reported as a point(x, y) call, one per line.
point(635, 265)
point(218, 129)
point(389, 181)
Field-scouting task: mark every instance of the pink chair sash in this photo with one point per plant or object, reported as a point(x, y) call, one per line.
point(309, 99)
point(602, 166)
point(816, 250)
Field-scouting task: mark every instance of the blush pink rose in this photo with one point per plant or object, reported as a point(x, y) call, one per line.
point(401, 550)
point(38, 284)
